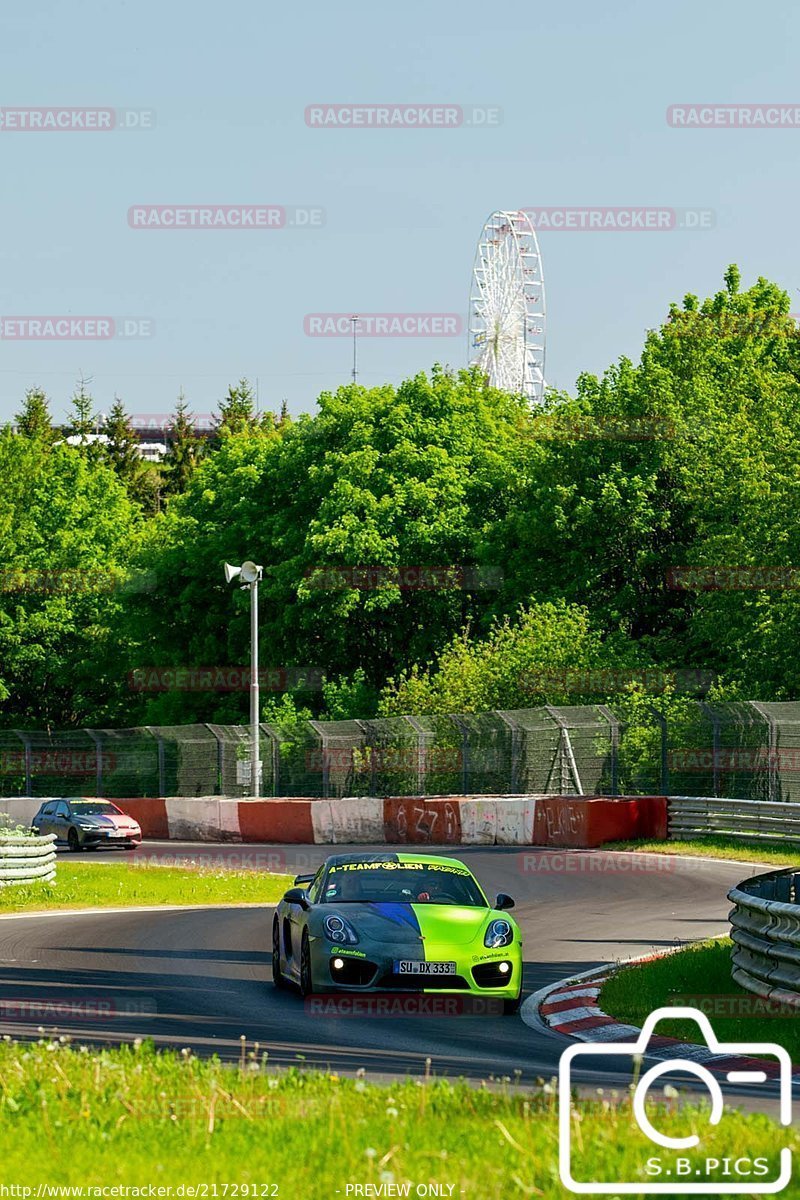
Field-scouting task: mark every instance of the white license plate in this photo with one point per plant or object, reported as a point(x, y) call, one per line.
point(118, 834)
point(415, 967)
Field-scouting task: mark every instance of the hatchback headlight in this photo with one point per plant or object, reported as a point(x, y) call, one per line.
point(340, 931)
point(498, 934)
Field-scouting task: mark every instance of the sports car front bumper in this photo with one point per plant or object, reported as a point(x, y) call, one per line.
point(478, 970)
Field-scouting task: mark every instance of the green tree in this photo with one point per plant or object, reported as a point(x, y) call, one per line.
point(67, 532)
point(122, 447)
point(236, 411)
point(549, 655)
point(33, 420)
point(82, 416)
point(184, 448)
point(368, 519)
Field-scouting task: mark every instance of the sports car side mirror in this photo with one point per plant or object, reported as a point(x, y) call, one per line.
point(503, 901)
point(297, 895)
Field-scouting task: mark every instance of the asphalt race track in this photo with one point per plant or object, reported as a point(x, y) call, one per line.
point(202, 978)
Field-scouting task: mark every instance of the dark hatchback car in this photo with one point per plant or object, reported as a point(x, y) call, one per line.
point(87, 824)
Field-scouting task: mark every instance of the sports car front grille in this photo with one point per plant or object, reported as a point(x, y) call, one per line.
point(354, 972)
point(415, 983)
point(489, 975)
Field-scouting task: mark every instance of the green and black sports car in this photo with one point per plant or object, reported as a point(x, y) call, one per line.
point(396, 923)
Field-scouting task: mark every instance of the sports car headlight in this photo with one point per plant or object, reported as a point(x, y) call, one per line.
point(498, 934)
point(340, 931)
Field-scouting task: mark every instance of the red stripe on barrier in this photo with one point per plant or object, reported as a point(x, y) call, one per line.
point(282, 821)
point(421, 822)
point(585, 822)
point(585, 1023)
point(570, 1002)
point(151, 814)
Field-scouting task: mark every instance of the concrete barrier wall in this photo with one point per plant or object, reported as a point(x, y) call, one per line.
point(567, 821)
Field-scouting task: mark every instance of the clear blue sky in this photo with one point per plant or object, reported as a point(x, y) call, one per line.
point(583, 90)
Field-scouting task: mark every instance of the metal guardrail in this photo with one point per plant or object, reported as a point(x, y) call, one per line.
point(748, 820)
point(765, 926)
point(25, 859)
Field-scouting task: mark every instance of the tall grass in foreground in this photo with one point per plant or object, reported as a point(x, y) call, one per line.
point(136, 1116)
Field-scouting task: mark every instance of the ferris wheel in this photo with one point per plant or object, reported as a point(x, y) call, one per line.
point(507, 321)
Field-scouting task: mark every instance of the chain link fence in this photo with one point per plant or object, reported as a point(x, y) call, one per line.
point(746, 750)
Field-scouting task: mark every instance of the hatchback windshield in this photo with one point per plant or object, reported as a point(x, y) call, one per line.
point(94, 808)
point(403, 882)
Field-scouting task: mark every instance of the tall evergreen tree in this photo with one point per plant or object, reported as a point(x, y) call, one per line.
point(184, 450)
point(33, 419)
point(81, 422)
point(237, 411)
point(122, 448)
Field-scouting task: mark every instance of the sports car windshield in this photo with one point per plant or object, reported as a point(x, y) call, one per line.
point(402, 882)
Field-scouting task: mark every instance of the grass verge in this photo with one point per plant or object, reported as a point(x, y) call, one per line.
point(700, 977)
point(137, 1117)
point(718, 847)
point(85, 885)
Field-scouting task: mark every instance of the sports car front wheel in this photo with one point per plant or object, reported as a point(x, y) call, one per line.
point(306, 982)
point(277, 973)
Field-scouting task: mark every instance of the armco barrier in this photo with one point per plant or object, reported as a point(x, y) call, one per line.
point(765, 926)
point(27, 859)
point(750, 820)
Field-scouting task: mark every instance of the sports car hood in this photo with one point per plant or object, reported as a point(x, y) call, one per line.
point(400, 923)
